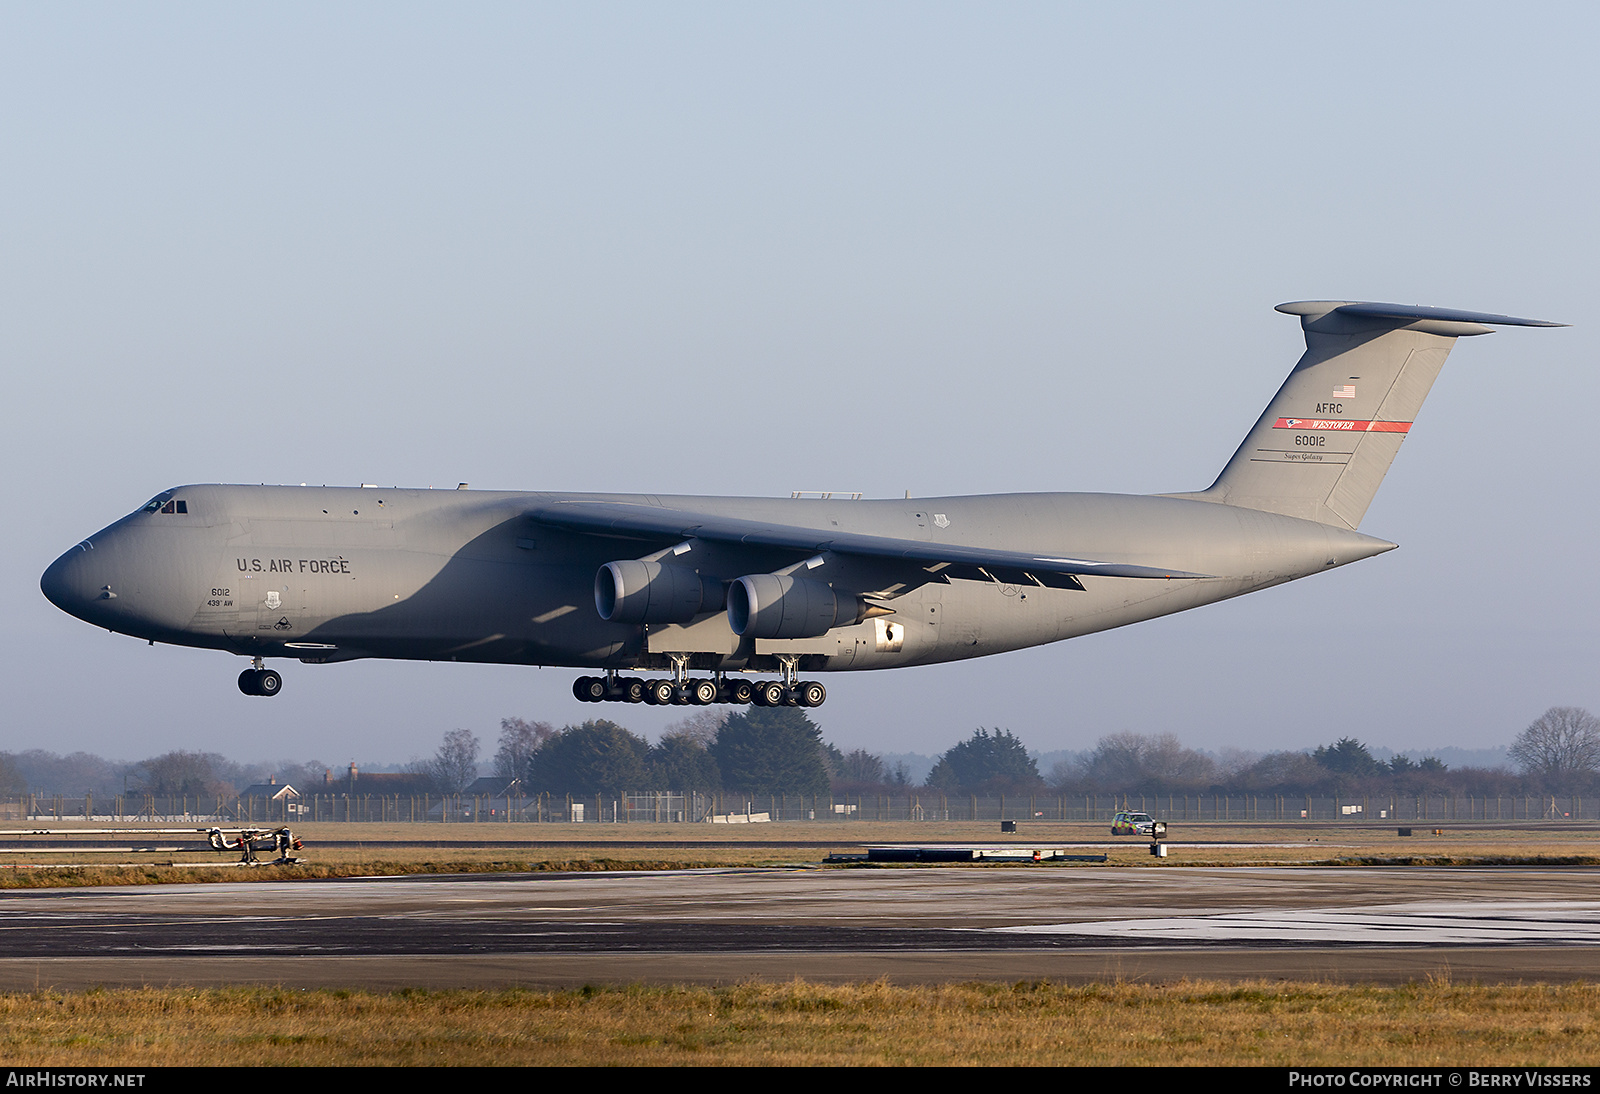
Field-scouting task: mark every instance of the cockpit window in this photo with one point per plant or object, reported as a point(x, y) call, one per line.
point(166, 503)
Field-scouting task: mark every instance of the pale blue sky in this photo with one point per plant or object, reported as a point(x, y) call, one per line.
point(731, 248)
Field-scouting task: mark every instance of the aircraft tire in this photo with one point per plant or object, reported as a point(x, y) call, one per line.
point(659, 693)
point(741, 692)
point(268, 682)
point(247, 682)
point(632, 690)
point(703, 692)
point(812, 694)
point(593, 689)
point(770, 694)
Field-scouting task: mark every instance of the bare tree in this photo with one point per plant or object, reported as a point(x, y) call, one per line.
point(174, 773)
point(1133, 761)
point(856, 771)
point(455, 765)
point(862, 766)
point(80, 771)
point(1562, 747)
point(519, 740)
point(11, 780)
point(700, 727)
point(307, 777)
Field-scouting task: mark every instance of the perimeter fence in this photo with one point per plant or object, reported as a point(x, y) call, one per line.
point(663, 807)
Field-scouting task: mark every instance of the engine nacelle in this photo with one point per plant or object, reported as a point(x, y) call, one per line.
point(650, 592)
point(779, 606)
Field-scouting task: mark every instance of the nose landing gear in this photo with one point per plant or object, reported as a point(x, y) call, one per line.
point(260, 680)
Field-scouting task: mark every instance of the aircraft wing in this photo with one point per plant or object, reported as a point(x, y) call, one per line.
point(634, 521)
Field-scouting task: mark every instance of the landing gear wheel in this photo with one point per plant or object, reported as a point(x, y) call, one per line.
point(591, 689)
point(741, 692)
point(702, 692)
point(770, 694)
point(632, 690)
point(659, 693)
point(812, 694)
point(260, 682)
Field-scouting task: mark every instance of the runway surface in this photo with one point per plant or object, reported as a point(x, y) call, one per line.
point(911, 925)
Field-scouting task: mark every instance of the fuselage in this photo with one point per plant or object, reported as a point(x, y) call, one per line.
point(332, 573)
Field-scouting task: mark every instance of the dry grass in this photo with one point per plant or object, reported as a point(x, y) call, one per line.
point(185, 874)
point(1262, 1023)
point(394, 848)
point(1205, 1023)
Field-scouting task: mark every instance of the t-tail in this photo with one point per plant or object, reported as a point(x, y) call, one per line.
point(1329, 435)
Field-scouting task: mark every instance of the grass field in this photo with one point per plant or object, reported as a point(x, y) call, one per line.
point(1185, 1023)
point(350, 849)
point(1434, 1023)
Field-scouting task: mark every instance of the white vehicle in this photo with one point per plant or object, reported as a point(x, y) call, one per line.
point(1129, 823)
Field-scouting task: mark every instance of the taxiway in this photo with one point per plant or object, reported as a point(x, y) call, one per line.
point(910, 925)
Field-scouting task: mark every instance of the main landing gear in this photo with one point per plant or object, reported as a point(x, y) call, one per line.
point(260, 680)
point(683, 691)
point(765, 693)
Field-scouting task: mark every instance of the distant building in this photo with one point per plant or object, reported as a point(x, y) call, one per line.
point(272, 790)
point(494, 786)
point(267, 801)
point(383, 784)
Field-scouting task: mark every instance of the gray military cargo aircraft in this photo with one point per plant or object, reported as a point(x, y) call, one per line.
point(710, 590)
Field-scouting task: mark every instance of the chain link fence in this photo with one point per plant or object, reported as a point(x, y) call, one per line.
point(668, 807)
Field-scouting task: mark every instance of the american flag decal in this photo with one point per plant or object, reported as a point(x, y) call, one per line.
point(1348, 391)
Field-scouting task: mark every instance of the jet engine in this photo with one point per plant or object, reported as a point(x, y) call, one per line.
point(782, 606)
point(637, 591)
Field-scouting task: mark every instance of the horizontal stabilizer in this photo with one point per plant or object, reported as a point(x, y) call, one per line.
point(1317, 308)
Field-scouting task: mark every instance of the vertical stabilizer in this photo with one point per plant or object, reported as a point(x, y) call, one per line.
point(1330, 434)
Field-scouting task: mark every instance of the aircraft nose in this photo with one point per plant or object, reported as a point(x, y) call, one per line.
point(129, 578)
point(69, 583)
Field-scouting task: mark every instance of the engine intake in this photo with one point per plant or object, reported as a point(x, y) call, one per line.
point(650, 592)
point(781, 606)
